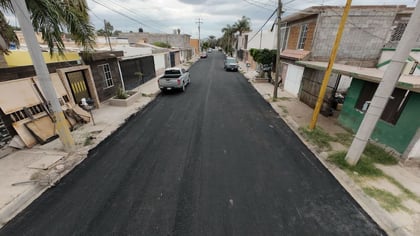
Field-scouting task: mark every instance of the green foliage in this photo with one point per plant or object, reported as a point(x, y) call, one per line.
point(263, 56)
point(379, 155)
point(386, 199)
point(364, 167)
point(205, 45)
point(162, 44)
point(242, 25)
point(318, 137)
point(121, 94)
point(116, 33)
point(344, 138)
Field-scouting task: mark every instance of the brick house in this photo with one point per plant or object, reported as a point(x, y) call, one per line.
point(310, 34)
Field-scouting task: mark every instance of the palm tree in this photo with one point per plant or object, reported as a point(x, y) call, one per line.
point(227, 38)
point(242, 25)
point(51, 18)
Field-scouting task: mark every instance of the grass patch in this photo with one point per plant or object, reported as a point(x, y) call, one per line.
point(387, 200)
point(364, 167)
point(344, 138)
point(318, 137)
point(406, 191)
point(379, 155)
point(88, 140)
point(284, 99)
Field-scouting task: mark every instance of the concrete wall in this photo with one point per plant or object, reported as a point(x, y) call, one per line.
point(175, 40)
point(266, 39)
point(365, 33)
point(22, 58)
point(397, 136)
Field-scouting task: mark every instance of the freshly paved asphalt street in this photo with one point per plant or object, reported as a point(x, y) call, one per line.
point(215, 160)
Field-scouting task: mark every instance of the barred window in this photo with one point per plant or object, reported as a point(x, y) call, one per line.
point(302, 36)
point(398, 32)
point(107, 75)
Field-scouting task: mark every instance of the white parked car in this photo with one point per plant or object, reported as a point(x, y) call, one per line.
point(174, 78)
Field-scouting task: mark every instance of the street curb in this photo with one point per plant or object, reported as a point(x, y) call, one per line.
point(371, 207)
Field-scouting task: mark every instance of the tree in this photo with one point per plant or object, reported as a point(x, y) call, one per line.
point(265, 58)
point(242, 25)
point(51, 18)
point(162, 44)
point(227, 38)
point(116, 33)
point(7, 34)
point(108, 28)
point(211, 41)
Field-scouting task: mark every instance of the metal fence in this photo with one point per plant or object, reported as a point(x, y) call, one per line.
point(137, 71)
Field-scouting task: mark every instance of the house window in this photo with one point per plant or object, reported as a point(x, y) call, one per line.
point(284, 37)
point(107, 75)
point(393, 108)
point(302, 36)
point(398, 32)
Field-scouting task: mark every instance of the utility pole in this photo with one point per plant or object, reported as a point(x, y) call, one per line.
point(385, 88)
point(327, 74)
point(107, 34)
point(278, 72)
point(199, 22)
point(43, 75)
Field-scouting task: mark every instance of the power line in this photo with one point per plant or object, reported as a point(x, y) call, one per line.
point(125, 15)
point(257, 4)
point(269, 18)
point(131, 11)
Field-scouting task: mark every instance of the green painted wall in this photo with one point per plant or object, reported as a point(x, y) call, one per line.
point(397, 136)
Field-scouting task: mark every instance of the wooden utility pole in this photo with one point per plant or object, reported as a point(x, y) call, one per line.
point(333, 55)
point(43, 75)
point(385, 88)
point(278, 65)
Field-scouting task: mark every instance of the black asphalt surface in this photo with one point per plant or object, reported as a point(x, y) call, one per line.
point(215, 160)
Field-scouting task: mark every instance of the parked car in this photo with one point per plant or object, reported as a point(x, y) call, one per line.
point(231, 64)
point(203, 55)
point(174, 78)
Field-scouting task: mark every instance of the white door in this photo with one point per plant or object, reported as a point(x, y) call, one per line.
point(293, 79)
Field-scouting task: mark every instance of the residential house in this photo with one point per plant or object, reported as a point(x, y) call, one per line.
point(369, 41)
point(310, 35)
point(106, 72)
point(27, 115)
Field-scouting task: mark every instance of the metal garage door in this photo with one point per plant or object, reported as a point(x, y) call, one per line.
point(293, 79)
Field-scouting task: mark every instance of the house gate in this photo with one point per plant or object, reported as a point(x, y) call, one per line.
point(78, 86)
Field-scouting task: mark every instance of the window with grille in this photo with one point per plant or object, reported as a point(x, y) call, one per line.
point(302, 36)
point(395, 104)
point(107, 76)
point(398, 32)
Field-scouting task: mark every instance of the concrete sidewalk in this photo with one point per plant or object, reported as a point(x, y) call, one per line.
point(26, 174)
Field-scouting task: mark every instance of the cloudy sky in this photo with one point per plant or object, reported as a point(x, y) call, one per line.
point(163, 16)
point(166, 15)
